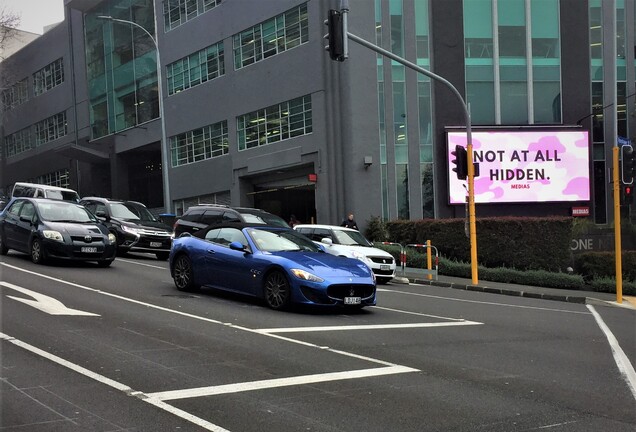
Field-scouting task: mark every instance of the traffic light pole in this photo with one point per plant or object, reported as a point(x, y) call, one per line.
point(617, 226)
point(469, 146)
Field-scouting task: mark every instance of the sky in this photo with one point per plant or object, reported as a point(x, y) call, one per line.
point(35, 14)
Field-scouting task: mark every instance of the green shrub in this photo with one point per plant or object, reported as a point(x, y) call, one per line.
point(598, 265)
point(608, 285)
point(376, 230)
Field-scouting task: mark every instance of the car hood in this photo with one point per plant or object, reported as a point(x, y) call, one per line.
point(145, 224)
point(364, 250)
point(320, 263)
point(77, 229)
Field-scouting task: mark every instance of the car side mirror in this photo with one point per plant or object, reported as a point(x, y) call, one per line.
point(238, 246)
point(102, 214)
point(26, 219)
point(326, 241)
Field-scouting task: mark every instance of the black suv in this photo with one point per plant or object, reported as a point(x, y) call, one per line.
point(136, 229)
point(202, 215)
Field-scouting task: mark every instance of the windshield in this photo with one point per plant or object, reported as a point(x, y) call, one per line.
point(121, 211)
point(350, 238)
point(264, 218)
point(281, 241)
point(65, 212)
point(140, 211)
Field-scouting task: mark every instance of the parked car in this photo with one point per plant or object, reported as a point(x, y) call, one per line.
point(276, 264)
point(351, 243)
point(34, 190)
point(200, 216)
point(135, 228)
point(46, 228)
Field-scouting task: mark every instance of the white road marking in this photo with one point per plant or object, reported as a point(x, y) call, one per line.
point(364, 327)
point(114, 384)
point(44, 303)
point(480, 302)
point(622, 361)
point(141, 264)
point(417, 313)
point(278, 382)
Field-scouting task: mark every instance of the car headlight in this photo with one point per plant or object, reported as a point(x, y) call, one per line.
point(361, 257)
point(53, 235)
point(129, 229)
point(304, 275)
point(112, 238)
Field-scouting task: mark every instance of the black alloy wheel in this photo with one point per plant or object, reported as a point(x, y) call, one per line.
point(277, 291)
point(37, 252)
point(183, 274)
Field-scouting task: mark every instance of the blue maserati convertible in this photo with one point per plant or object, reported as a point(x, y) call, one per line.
point(276, 264)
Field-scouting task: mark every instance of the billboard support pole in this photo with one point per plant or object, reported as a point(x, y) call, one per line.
point(469, 144)
point(617, 226)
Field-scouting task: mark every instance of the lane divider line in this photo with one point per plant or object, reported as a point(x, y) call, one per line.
point(622, 361)
point(364, 327)
point(278, 382)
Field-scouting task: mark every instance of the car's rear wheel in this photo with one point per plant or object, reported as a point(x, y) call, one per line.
point(277, 290)
point(37, 252)
point(162, 256)
point(3, 247)
point(183, 274)
point(383, 281)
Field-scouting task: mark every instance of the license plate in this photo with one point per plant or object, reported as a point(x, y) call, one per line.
point(155, 244)
point(385, 267)
point(352, 300)
point(87, 249)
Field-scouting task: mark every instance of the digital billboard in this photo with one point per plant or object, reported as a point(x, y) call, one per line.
point(524, 166)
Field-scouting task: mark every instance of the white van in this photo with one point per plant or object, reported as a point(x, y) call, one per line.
point(44, 191)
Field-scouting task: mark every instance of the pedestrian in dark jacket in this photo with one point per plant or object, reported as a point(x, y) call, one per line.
point(349, 222)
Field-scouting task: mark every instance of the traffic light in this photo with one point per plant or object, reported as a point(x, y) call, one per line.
point(628, 194)
point(336, 35)
point(460, 162)
point(628, 164)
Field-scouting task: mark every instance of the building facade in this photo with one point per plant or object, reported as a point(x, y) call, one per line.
point(256, 114)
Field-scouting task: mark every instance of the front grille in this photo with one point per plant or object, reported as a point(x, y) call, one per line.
point(381, 260)
point(383, 272)
point(315, 296)
point(99, 238)
point(153, 233)
point(341, 291)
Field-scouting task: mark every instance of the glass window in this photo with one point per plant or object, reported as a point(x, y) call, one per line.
point(48, 77)
point(50, 129)
point(199, 144)
point(197, 68)
point(275, 123)
point(402, 186)
point(177, 12)
point(18, 142)
point(15, 95)
point(271, 37)
point(397, 27)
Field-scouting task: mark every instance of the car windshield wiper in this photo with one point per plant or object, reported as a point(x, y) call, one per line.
point(66, 220)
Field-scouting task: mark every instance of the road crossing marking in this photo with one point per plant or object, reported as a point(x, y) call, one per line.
point(278, 382)
point(365, 327)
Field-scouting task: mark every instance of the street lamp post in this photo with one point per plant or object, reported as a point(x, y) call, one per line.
point(165, 150)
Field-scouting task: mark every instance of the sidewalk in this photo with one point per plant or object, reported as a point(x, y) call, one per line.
point(557, 294)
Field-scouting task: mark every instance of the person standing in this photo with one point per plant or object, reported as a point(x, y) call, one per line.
point(349, 222)
point(293, 221)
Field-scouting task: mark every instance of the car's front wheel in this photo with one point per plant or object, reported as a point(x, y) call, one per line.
point(3, 246)
point(183, 274)
point(37, 252)
point(277, 290)
point(104, 263)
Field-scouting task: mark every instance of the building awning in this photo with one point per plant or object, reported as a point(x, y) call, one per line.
point(83, 154)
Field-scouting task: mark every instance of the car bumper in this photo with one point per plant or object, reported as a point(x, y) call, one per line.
point(78, 252)
point(335, 294)
point(143, 243)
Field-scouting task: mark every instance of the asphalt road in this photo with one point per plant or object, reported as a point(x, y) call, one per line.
point(120, 349)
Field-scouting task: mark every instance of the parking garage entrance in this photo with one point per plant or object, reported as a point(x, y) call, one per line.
point(288, 197)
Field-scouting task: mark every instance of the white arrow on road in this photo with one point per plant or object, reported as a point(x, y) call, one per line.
point(45, 303)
